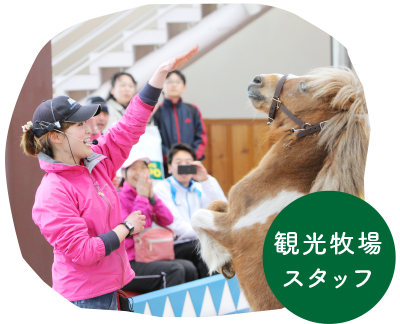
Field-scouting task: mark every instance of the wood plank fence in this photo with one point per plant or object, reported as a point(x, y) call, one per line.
point(235, 147)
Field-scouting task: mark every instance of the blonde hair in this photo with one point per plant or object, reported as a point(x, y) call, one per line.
point(346, 135)
point(32, 145)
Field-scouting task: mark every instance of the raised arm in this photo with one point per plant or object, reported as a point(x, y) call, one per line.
point(119, 139)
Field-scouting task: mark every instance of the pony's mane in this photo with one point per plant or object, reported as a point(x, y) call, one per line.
point(346, 135)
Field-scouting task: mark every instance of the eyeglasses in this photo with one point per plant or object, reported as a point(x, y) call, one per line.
point(172, 82)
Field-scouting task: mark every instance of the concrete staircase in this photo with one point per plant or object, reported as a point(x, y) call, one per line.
point(138, 48)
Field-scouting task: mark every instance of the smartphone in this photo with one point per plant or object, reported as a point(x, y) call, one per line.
point(187, 169)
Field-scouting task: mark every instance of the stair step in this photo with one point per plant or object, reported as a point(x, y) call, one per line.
point(111, 59)
point(180, 15)
point(145, 37)
point(79, 82)
point(142, 50)
point(176, 28)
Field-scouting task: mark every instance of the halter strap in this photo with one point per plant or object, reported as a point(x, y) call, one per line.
point(276, 104)
point(275, 99)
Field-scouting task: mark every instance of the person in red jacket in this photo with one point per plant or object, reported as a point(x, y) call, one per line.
point(178, 121)
point(137, 193)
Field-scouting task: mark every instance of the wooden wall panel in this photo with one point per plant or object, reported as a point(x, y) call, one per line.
point(240, 144)
point(235, 146)
point(259, 146)
point(220, 156)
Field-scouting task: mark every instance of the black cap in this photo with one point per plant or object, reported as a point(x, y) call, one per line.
point(61, 109)
point(100, 101)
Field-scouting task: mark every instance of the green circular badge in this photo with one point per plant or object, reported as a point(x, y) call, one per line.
point(329, 257)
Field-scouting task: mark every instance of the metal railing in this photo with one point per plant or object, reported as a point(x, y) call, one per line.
point(94, 33)
point(113, 42)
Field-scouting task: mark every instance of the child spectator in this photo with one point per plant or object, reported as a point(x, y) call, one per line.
point(123, 88)
point(183, 197)
point(137, 194)
point(177, 121)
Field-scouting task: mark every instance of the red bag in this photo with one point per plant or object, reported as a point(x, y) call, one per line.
point(154, 244)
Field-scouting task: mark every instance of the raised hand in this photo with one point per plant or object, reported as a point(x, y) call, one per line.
point(158, 78)
point(178, 61)
point(201, 174)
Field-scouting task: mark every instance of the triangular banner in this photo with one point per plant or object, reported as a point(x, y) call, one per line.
point(242, 304)
point(235, 290)
point(188, 309)
point(139, 307)
point(177, 300)
point(157, 305)
point(227, 305)
point(197, 295)
point(216, 290)
point(208, 308)
point(147, 309)
point(168, 311)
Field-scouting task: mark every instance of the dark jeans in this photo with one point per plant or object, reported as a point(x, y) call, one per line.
point(107, 301)
point(190, 251)
point(174, 272)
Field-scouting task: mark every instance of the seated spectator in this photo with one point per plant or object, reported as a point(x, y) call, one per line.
point(123, 88)
point(183, 197)
point(135, 194)
point(177, 121)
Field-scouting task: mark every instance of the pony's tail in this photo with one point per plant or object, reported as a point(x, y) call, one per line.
point(346, 138)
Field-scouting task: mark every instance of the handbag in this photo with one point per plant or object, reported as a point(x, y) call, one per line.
point(154, 244)
point(124, 304)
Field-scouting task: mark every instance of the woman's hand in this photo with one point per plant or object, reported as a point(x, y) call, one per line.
point(157, 80)
point(201, 174)
point(142, 187)
point(138, 221)
point(178, 61)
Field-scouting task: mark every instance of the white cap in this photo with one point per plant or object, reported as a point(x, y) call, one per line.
point(135, 155)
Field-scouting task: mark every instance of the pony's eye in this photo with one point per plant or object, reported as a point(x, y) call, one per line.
point(303, 87)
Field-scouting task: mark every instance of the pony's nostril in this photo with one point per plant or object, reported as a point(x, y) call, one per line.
point(257, 80)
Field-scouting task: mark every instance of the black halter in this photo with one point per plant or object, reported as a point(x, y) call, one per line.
point(276, 103)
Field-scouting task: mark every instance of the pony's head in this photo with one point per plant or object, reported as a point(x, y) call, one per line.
point(325, 94)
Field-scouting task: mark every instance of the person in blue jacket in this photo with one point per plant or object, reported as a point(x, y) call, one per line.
point(177, 121)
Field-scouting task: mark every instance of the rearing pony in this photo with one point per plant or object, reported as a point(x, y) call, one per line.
point(327, 152)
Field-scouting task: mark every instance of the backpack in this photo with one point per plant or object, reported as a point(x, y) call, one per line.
point(154, 244)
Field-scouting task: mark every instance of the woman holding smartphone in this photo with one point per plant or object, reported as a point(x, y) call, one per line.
point(76, 206)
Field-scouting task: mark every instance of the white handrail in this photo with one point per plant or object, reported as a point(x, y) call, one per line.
point(109, 48)
point(94, 33)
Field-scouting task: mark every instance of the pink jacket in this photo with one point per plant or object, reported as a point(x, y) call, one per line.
point(131, 201)
point(74, 204)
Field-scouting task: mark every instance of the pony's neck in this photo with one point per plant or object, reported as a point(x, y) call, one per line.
point(295, 162)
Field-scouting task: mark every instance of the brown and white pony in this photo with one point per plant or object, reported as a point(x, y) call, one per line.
point(232, 234)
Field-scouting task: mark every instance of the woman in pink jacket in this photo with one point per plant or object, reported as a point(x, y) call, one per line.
point(76, 206)
point(137, 193)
